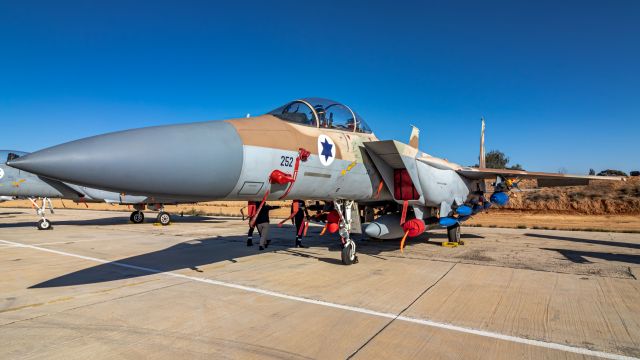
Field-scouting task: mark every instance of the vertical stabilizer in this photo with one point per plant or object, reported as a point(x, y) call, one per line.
point(414, 139)
point(482, 163)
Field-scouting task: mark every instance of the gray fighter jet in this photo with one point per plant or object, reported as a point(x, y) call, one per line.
point(312, 149)
point(15, 183)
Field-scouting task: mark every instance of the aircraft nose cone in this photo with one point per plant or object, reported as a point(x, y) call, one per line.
point(189, 161)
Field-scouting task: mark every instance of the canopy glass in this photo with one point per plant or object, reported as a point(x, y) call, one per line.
point(322, 113)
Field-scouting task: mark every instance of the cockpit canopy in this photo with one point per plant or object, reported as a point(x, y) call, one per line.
point(8, 155)
point(322, 113)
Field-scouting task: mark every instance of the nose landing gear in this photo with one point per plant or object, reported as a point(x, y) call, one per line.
point(344, 208)
point(43, 223)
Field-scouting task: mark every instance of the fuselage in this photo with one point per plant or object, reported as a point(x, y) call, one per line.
point(234, 159)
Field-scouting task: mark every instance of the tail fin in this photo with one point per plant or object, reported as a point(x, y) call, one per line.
point(414, 139)
point(482, 163)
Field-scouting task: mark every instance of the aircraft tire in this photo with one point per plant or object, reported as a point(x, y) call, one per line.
point(349, 253)
point(453, 233)
point(137, 217)
point(44, 224)
point(164, 218)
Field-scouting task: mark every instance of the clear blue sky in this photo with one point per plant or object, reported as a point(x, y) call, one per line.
point(558, 81)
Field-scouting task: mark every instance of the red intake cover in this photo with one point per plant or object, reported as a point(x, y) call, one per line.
point(415, 227)
point(403, 186)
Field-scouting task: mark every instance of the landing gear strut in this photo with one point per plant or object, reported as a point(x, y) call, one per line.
point(453, 233)
point(43, 223)
point(348, 245)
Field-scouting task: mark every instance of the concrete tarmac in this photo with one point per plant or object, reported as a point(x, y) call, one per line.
point(99, 287)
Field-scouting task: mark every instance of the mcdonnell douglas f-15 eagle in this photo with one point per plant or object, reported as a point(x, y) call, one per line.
point(310, 149)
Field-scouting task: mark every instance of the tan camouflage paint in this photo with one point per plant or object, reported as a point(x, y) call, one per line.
point(272, 132)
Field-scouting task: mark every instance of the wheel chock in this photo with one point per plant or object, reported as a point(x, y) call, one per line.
point(449, 244)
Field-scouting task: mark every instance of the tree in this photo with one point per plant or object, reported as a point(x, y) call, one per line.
point(496, 159)
point(592, 172)
point(611, 172)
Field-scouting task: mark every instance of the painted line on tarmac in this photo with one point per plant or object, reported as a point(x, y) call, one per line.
point(425, 322)
point(68, 242)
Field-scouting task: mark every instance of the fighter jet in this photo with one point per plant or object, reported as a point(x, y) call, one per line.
point(311, 149)
point(16, 183)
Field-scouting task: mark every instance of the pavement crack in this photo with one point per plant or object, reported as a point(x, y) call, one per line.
point(401, 312)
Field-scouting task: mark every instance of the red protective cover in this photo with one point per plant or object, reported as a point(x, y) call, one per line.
point(279, 177)
point(403, 186)
point(251, 209)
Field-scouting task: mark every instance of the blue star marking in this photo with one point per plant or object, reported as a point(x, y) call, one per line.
point(326, 149)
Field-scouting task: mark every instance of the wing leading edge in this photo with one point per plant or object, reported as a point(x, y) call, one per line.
point(544, 179)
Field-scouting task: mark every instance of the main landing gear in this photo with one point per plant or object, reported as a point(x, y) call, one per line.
point(344, 208)
point(163, 218)
point(137, 217)
point(453, 234)
point(43, 223)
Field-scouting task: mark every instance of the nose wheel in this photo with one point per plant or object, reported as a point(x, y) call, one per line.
point(137, 217)
point(349, 256)
point(44, 224)
point(344, 208)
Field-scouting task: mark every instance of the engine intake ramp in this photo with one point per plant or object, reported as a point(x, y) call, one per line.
point(395, 160)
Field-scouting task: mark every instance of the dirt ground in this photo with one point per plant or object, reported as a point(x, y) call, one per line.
point(556, 221)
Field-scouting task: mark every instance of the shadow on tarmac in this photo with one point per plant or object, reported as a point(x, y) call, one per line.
point(586, 241)
point(579, 257)
point(199, 252)
point(185, 255)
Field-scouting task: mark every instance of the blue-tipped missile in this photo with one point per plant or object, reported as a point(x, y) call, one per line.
point(447, 222)
point(499, 198)
point(464, 210)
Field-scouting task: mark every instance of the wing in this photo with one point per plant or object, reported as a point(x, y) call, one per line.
point(544, 179)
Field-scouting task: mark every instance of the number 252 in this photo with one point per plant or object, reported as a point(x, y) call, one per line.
point(286, 161)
